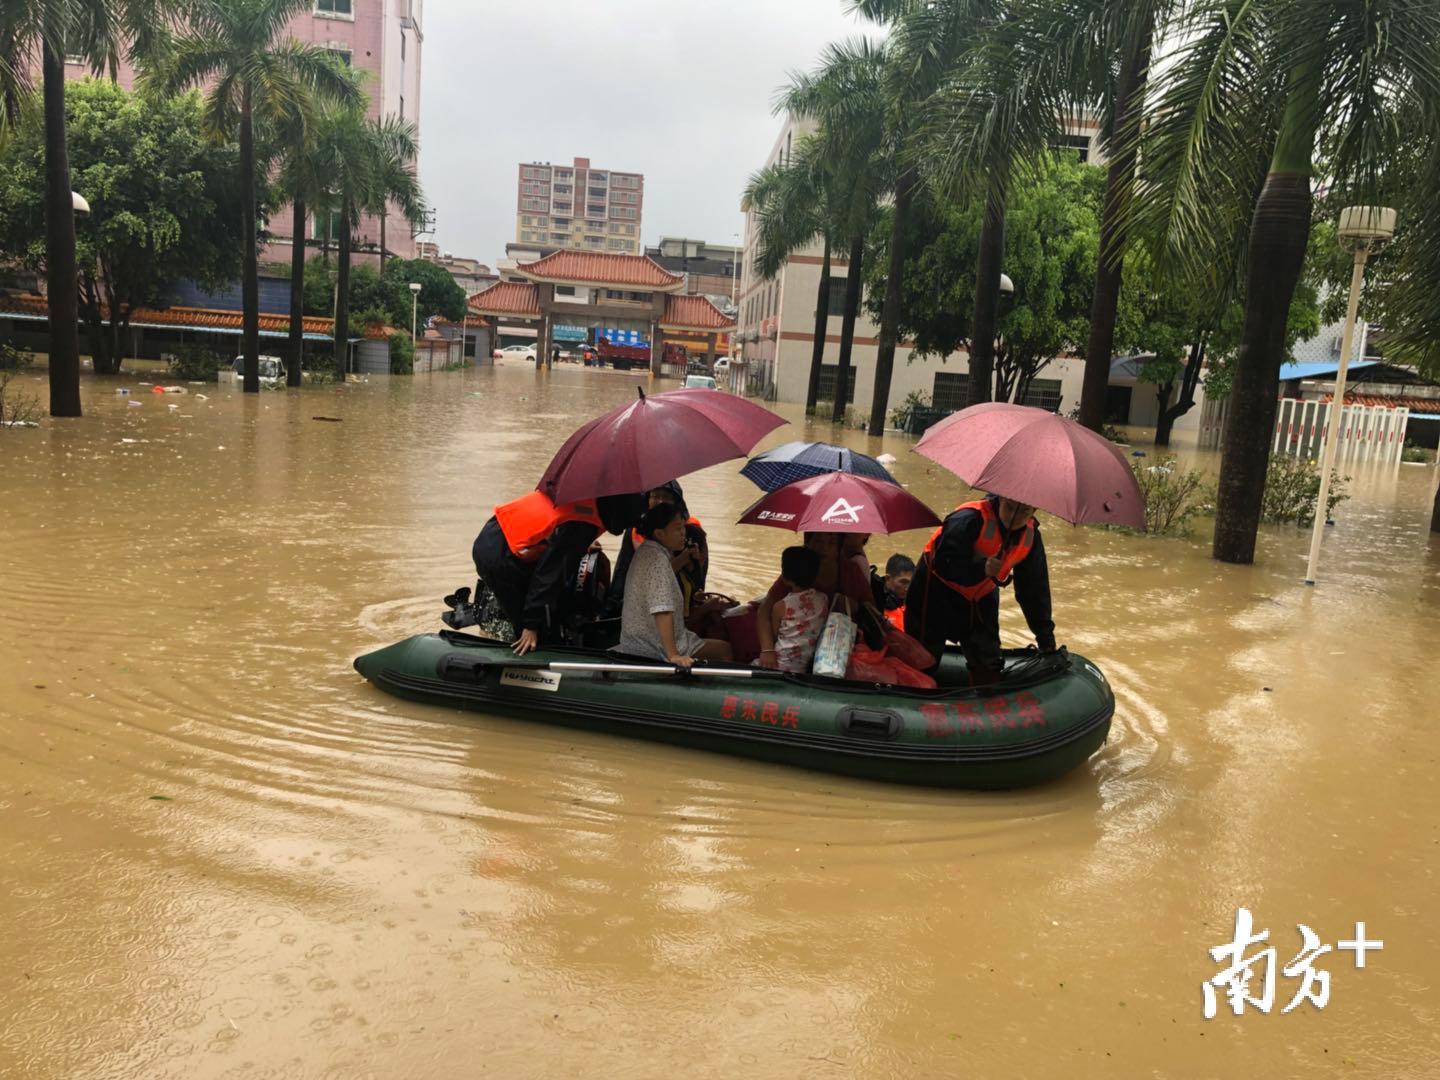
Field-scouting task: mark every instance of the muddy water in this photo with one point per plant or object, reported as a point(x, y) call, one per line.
point(338, 883)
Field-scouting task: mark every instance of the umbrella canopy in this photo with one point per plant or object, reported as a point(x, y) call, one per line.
point(641, 445)
point(1040, 459)
point(801, 460)
point(840, 503)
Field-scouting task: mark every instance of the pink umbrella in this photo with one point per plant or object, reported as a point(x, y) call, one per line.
point(840, 503)
point(642, 445)
point(1040, 459)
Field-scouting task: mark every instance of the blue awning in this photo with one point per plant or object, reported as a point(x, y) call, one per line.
point(1319, 369)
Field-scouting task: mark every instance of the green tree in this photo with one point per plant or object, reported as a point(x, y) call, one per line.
point(370, 164)
point(99, 31)
point(846, 97)
point(1296, 79)
point(439, 294)
point(156, 189)
point(240, 49)
point(791, 203)
point(1051, 240)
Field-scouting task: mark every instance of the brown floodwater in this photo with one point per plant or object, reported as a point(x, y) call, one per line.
point(337, 883)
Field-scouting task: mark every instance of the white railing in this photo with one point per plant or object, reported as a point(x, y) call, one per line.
point(1367, 432)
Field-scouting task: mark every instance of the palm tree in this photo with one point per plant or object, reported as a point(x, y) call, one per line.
point(99, 31)
point(1340, 74)
point(240, 46)
point(793, 202)
point(369, 164)
point(845, 96)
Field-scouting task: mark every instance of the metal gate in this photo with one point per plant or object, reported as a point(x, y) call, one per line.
point(1367, 432)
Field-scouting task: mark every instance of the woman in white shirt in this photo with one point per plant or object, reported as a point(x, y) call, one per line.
point(652, 622)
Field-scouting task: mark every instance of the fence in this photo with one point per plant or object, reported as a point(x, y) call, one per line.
point(1367, 432)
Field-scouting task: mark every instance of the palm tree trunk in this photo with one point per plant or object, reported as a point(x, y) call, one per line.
point(1110, 266)
point(61, 286)
point(987, 295)
point(890, 313)
point(847, 327)
point(342, 297)
point(297, 294)
point(250, 275)
point(1279, 232)
point(382, 241)
point(822, 325)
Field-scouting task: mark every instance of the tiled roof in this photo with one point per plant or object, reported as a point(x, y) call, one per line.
point(1385, 401)
point(694, 313)
point(507, 298)
point(196, 318)
point(593, 268)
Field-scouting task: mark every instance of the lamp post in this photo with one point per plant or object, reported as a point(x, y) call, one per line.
point(82, 208)
point(1363, 230)
point(414, 307)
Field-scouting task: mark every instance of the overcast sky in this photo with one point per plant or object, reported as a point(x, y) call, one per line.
point(680, 90)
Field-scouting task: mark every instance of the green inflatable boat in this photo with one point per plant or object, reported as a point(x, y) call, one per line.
point(1047, 715)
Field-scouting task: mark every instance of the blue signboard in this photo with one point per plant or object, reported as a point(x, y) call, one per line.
point(568, 333)
point(616, 336)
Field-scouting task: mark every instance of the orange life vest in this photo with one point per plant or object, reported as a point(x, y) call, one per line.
point(987, 546)
point(528, 521)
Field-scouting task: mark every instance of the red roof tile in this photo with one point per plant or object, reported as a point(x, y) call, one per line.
point(198, 318)
point(593, 268)
point(1384, 401)
point(513, 298)
point(694, 313)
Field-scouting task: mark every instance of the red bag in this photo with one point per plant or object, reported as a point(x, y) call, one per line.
point(874, 666)
point(907, 650)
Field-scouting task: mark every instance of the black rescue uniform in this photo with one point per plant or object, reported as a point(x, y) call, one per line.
point(949, 599)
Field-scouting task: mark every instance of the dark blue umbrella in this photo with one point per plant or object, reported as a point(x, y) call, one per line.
point(802, 460)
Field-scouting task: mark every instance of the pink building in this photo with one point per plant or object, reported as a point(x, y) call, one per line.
point(383, 38)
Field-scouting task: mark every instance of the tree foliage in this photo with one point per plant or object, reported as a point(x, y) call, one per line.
point(159, 195)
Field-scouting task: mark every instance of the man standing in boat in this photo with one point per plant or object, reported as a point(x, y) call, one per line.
point(529, 549)
point(955, 595)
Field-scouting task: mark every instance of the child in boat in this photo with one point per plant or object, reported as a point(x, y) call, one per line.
point(890, 591)
point(836, 575)
point(799, 616)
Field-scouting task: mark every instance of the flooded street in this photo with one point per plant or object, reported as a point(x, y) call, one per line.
point(223, 854)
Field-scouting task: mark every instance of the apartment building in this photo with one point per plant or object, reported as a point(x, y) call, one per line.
point(580, 207)
point(384, 38)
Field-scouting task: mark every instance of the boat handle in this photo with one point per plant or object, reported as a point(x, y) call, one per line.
point(870, 723)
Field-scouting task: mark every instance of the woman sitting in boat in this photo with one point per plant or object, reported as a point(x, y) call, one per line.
point(955, 594)
point(690, 565)
point(797, 620)
point(529, 549)
point(838, 573)
point(652, 621)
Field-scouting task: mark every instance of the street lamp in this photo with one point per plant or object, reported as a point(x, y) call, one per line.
point(1363, 230)
point(82, 208)
point(414, 306)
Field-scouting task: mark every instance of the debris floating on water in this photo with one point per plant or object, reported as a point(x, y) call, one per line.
point(328, 419)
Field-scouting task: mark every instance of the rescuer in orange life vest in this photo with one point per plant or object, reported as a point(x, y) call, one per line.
point(531, 548)
point(955, 595)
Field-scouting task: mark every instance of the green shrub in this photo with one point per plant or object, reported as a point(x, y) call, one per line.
point(195, 363)
point(915, 399)
point(402, 355)
point(1172, 495)
point(11, 358)
point(1292, 488)
point(1416, 453)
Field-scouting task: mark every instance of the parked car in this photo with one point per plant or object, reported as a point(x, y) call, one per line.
point(516, 352)
point(722, 367)
point(272, 370)
point(699, 382)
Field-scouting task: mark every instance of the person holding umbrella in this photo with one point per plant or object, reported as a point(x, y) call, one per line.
point(955, 594)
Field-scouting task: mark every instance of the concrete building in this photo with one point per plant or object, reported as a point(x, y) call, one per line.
point(383, 38)
point(579, 206)
point(776, 324)
point(570, 297)
point(710, 270)
point(470, 274)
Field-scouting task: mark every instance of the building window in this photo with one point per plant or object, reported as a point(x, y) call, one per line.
point(602, 177)
point(828, 375)
point(564, 290)
point(341, 54)
point(837, 296)
point(951, 390)
point(1075, 144)
point(1043, 394)
point(326, 226)
point(333, 7)
point(618, 245)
